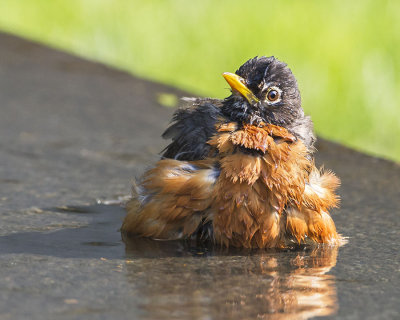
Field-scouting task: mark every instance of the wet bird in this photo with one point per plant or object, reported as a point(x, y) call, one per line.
point(239, 171)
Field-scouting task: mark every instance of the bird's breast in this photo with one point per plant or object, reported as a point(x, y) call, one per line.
point(261, 168)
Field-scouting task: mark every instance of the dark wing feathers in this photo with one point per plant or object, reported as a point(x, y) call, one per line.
point(190, 130)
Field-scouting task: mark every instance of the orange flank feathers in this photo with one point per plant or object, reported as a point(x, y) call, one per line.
point(257, 189)
point(172, 200)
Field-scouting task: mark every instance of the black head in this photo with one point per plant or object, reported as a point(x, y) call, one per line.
point(265, 91)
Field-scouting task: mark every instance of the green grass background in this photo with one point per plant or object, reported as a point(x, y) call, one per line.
point(345, 54)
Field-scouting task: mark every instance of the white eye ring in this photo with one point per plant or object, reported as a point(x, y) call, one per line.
point(274, 95)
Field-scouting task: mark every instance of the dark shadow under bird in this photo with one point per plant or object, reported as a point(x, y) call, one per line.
point(239, 171)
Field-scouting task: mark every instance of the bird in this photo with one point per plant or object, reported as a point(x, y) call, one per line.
point(239, 172)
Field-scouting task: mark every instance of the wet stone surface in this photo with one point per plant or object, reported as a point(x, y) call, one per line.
point(74, 134)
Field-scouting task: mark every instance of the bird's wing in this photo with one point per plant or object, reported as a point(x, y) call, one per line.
point(191, 128)
point(172, 201)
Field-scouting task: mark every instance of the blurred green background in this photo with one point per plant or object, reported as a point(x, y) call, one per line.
point(345, 54)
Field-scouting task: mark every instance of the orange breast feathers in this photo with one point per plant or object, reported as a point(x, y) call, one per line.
point(258, 189)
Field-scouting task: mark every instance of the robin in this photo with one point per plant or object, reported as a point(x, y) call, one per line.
point(239, 171)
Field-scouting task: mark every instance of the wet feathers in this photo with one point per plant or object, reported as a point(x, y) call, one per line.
point(239, 173)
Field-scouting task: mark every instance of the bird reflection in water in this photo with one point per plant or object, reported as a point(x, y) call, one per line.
point(179, 280)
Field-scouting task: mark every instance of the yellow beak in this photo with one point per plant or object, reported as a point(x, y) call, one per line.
point(237, 84)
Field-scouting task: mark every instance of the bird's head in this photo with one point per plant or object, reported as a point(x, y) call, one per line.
point(263, 90)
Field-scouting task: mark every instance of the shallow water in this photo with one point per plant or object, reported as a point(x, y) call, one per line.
point(174, 279)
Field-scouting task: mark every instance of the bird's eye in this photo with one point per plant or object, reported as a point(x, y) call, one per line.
point(273, 94)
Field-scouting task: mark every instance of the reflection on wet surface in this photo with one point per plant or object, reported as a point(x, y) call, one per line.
point(176, 280)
